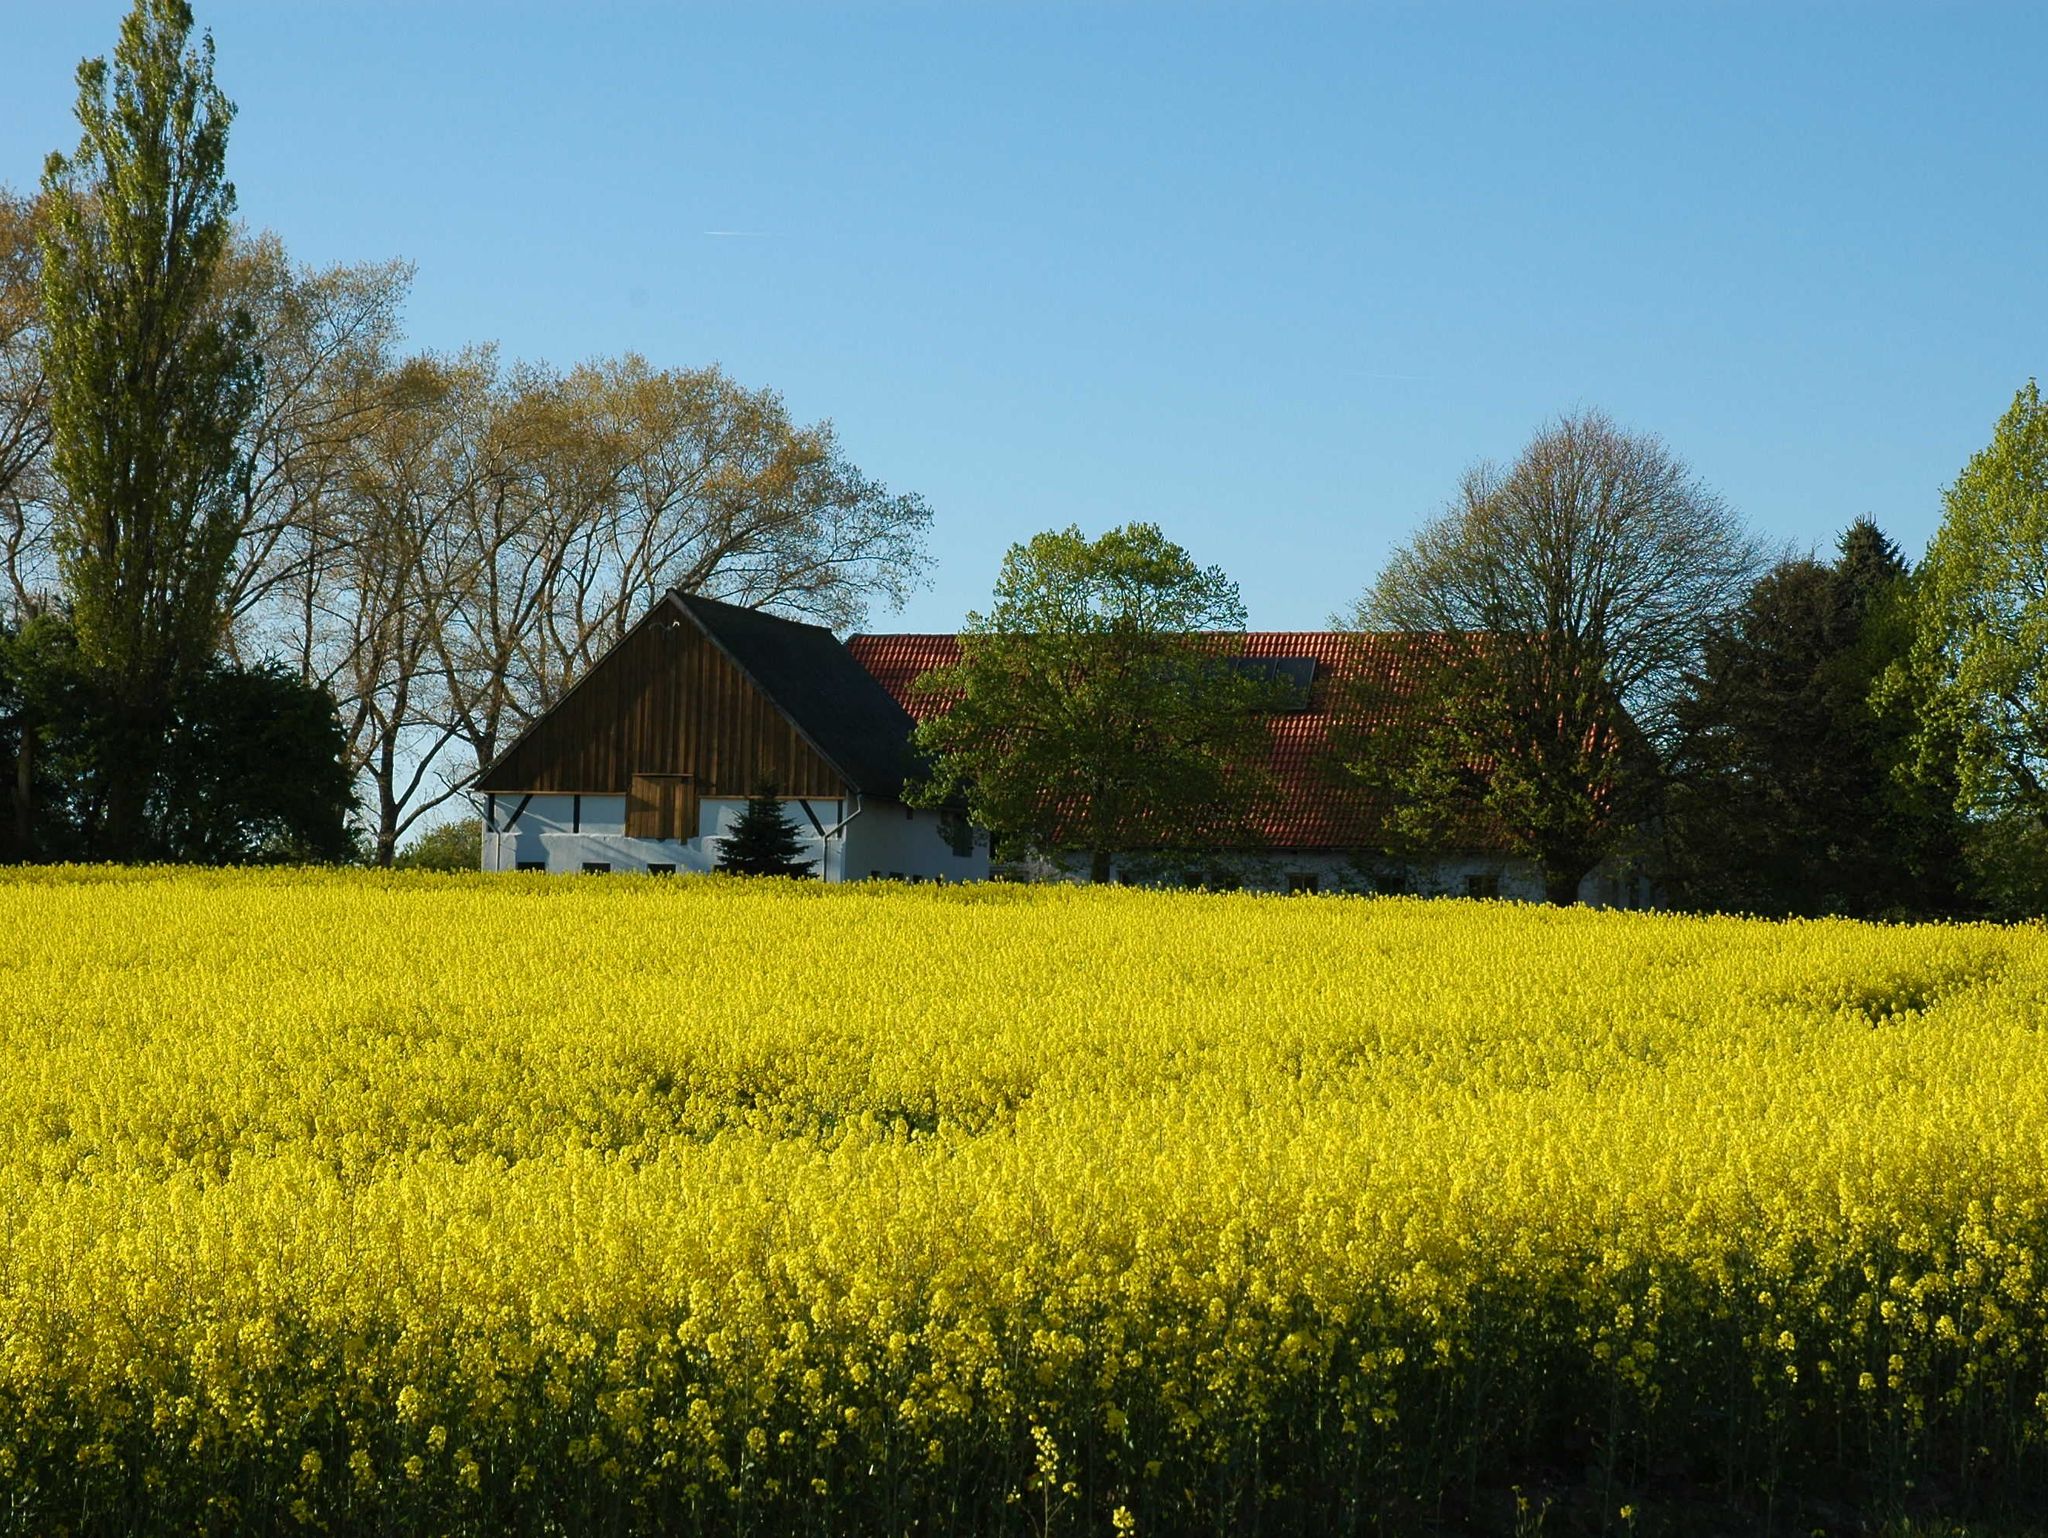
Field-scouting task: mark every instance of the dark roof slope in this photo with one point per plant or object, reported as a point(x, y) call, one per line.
point(832, 699)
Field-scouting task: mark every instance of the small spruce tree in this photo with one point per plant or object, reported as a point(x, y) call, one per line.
point(764, 842)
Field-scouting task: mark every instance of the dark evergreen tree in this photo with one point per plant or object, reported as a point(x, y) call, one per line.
point(250, 770)
point(53, 732)
point(252, 773)
point(764, 842)
point(1785, 797)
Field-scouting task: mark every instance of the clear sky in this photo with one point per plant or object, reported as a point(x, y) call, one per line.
point(1270, 276)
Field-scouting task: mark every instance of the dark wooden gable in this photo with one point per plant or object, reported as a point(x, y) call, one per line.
point(663, 718)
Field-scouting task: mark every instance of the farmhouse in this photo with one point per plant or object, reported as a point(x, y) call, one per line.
point(650, 757)
point(646, 762)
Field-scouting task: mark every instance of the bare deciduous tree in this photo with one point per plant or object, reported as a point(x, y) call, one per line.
point(1551, 612)
point(619, 481)
point(400, 563)
point(325, 335)
point(27, 566)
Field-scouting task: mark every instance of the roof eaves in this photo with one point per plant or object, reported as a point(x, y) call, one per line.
point(567, 694)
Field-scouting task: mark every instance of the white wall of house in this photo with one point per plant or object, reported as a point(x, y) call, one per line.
point(891, 840)
point(557, 835)
point(566, 835)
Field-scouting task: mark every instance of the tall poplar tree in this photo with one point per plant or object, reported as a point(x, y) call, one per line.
point(150, 381)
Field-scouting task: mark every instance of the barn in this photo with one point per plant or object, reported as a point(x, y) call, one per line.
point(649, 758)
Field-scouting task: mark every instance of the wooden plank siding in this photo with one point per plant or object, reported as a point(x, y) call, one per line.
point(662, 806)
point(666, 702)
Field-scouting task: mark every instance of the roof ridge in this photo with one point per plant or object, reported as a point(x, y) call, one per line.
point(683, 596)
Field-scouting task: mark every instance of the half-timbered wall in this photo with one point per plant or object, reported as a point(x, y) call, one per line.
point(665, 719)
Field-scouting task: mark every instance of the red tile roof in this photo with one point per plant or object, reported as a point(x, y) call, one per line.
point(1310, 810)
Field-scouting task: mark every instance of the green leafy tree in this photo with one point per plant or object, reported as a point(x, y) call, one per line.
point(149, 382)
point(1095, 709)
point(452, 846)
point(251, 774)
point(1979, 655)
point(1540, 629)
point(51, 726)
point(251, 770)
point(764, 842)
point(1784, 796)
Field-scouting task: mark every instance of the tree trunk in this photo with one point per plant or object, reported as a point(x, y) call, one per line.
point(135, 746)
point(1098, 866)
point(387, 809)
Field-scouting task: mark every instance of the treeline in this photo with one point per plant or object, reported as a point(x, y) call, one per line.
point(1605, 668)
point(1586, 662)
point(228, 493)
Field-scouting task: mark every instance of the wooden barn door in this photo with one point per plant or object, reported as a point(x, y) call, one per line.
point(662, 806)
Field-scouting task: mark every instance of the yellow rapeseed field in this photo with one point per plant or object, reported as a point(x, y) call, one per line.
point(516, 1203)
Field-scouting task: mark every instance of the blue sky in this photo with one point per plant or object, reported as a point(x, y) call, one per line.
point(1269, 276)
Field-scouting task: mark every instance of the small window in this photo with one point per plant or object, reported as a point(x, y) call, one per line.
point(1483, 884)
point(539, 865)
point(661, 870)
point(895, 875)
point(1302, 881)
point(597, 868)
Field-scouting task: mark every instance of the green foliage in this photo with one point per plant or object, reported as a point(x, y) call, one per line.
point(2005, 867)
point(52, 722)
point(149, 382)
point(1784, 796)
point(1091, 712)
point(1980, 614)
point(764, 842)
point(453, 846)
point(250, 771)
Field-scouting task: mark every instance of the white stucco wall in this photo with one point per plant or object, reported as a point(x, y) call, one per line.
point(889, 839)
point(553, 833)
point(563, 814)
